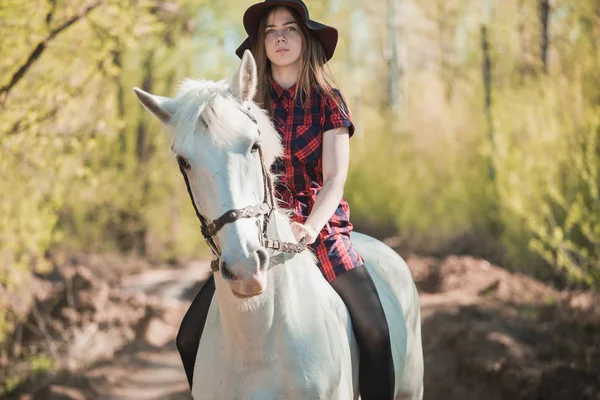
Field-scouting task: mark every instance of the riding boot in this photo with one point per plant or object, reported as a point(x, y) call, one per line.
point(376, 368)
point(192, 325)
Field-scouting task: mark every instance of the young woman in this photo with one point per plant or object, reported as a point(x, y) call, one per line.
point(311, 116)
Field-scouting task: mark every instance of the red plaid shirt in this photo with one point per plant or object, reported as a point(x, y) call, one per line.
point(300, 171)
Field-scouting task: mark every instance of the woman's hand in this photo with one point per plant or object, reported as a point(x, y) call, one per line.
point(304, 231)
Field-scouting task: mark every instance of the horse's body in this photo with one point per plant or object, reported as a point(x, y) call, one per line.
point(300, 343)
point(282, 333)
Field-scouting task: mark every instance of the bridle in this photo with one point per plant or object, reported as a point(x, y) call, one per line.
point(264, 209)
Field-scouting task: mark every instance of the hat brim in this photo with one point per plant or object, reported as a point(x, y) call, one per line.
point(327, 35)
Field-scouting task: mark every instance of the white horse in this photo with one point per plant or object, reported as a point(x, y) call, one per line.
point(275, 330)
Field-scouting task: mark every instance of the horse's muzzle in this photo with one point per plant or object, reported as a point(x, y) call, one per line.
point(249, 287)
point(243, 296)
point(246, 274)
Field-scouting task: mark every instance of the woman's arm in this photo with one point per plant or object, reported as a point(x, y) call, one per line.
point(335, 160)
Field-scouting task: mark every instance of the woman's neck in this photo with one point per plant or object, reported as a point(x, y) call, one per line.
point(286, 77)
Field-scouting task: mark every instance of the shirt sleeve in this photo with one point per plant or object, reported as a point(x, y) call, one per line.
point(337, 116)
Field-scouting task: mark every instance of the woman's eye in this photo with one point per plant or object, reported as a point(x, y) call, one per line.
point(291, 28)
point(270, 31)
point(255, 147)
point(183, 163)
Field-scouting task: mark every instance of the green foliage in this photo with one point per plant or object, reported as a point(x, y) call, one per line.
point(82, 166)
point(36, 364)
point(547, 157)
point(11, 383)
point(41, 363)
point(429, 169)
point(73, 173)
point(397, 177)
point(567, 227)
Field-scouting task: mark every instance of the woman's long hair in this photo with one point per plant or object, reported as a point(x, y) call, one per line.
point(313, 73)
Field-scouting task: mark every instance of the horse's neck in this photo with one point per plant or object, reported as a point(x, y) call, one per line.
point(248, 325)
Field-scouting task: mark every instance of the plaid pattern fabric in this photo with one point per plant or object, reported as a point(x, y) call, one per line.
point(300, 172)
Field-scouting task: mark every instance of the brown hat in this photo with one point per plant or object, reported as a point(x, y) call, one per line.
point(326, 34)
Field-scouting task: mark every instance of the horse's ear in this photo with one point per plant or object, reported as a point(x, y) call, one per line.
point(159, 106)
point(243, 84)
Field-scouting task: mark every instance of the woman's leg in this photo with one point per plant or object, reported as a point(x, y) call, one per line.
point(376, 367)
point(192, 325)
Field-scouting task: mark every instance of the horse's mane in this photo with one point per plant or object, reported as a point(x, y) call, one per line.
point(208, 107)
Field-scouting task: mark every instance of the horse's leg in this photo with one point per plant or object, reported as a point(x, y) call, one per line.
point(376, 366)
point(192, 325)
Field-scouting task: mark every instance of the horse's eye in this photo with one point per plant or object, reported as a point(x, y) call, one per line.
point(183, 163)
point(255, 147)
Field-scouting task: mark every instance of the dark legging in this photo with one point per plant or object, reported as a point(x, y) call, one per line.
point(357, 290)
point(192, 325)
point(376, 367)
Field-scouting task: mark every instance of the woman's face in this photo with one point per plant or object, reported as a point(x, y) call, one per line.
point(283, 39)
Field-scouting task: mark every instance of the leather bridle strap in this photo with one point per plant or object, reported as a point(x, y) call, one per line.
point(203, 224)
point(234, 215)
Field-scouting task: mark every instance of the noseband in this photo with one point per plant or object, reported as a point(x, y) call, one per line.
point(209, 230)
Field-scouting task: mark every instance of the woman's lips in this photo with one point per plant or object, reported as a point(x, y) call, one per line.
point(281, 50)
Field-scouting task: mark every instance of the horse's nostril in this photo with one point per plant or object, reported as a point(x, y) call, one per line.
point(263, 259)
point(226, 273)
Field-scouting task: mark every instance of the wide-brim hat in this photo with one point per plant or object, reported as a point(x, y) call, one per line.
point(328, 35)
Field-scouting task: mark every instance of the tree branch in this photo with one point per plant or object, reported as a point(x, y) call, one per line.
point(37, 52)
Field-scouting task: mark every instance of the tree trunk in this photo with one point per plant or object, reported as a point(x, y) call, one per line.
point(394, 73)
point(526, 62)
point(144, 150)
point(122, 141)
point(494, 226)
point(544, 6)
point(142, 146)
point(487, 86)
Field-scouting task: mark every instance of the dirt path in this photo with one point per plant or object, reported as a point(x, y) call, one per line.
point(149, 369)
point(145, 373)
point(487, 333)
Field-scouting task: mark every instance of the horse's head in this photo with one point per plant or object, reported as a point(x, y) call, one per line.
point(218, 136)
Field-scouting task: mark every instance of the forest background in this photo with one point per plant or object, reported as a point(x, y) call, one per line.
point(478, 128)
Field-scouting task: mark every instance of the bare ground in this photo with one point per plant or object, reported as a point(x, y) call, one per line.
point(487, 334)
